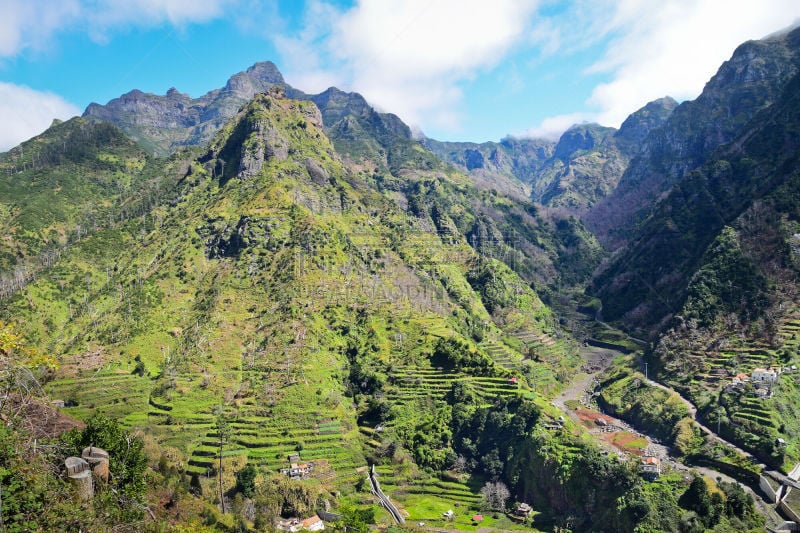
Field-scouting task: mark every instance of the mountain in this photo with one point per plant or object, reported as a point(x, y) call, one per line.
point(306, 283)
point(163, 124)
point(711, 275)
point(702, 198)
point(583, 167)
point(282, 288)
point(376, 139)
point(509, 166)
point(749, 82)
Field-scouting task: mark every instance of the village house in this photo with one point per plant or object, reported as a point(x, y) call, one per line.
point(738, 382)
point(297, 470)
point(650, 468)
point(764, 375)
point(293, 525)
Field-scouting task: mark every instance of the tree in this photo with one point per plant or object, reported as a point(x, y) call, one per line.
point(246, 481)
point(697, 499)
point(495, 495)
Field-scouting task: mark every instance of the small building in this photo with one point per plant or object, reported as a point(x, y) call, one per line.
point(477, 518)
point(764, 375)
point(297, 470)
point(449, 514)
point(313, 523)
point(523, 510)
point(650, 468)
point(513, 380)
point(780, 442)
point(738, 382)
point(763, 393)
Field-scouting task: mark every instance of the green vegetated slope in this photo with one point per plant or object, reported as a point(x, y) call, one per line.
point(300, 301)
point(58, 187)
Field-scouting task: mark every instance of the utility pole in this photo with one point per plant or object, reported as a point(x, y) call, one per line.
point(645, 372)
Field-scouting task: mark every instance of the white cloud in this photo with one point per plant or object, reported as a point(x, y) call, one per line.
point(673, 48)
point(551, 128)
point(25, 112)
point(32, 23)
point(665, 48)
point(104, 16)
point(408, 56)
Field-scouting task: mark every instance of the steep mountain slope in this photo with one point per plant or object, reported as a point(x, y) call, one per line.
point(715, 262)
point(750, 81)
point(56, 188)
point(282, 291)
point(668, 248)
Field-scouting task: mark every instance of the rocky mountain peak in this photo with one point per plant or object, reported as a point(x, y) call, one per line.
point(266, 71)
point(641, 122)
point(581, 137)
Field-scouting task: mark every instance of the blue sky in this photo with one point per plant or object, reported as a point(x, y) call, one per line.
point(453, 69)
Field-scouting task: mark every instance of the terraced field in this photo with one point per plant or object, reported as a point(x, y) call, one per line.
point(409, 383)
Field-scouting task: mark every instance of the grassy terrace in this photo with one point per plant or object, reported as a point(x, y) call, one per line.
point(412, 382)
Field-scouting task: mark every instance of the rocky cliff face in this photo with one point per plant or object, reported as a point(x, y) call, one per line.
point(162, 124)
point(753, 171)
point(749, 82)
point(639, 124)
point(509, 166)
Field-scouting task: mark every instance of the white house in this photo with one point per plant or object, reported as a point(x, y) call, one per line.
point(764, 375)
